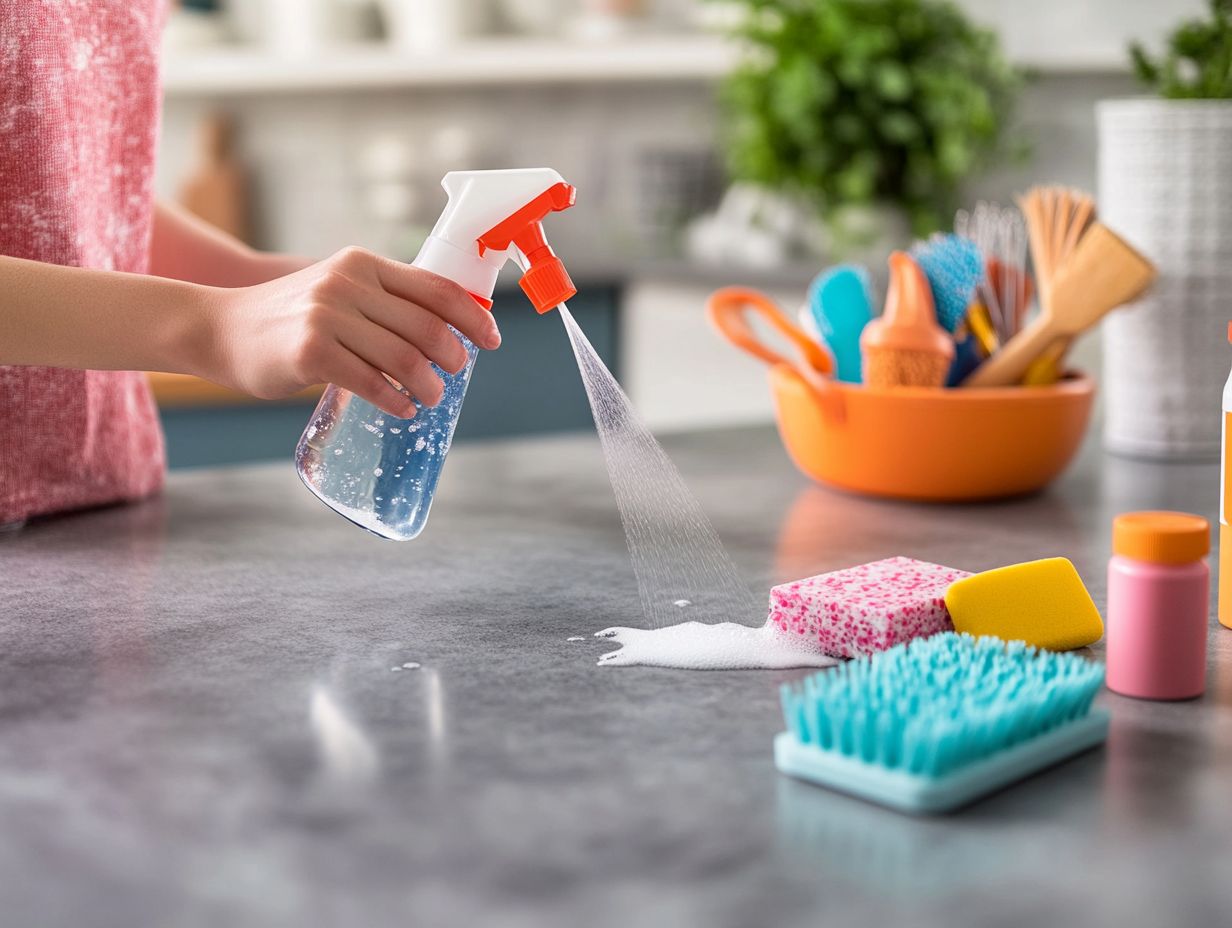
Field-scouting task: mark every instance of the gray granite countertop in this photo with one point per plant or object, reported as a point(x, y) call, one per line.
point(199, 724)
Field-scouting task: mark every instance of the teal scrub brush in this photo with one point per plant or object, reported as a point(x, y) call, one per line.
point(840, 302)
point(936, 723)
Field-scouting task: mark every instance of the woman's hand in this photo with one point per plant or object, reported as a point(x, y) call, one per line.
point(351, 319)
point(356, 319)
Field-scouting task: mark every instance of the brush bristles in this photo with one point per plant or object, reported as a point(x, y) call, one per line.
point(937, 704)
point(894, 367)
point(954, 268)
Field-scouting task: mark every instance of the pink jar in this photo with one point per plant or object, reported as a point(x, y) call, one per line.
point(1158, 605)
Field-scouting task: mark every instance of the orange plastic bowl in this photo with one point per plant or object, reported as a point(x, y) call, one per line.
point(918, 444)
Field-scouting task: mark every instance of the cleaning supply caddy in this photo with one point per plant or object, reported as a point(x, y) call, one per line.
point(954, 316)
point(380, 471)
point(916, 443)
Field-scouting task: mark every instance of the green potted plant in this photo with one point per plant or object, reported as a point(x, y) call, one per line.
point(1165, 179)
point(854, 106)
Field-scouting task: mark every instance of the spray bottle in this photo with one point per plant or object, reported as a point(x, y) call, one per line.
point(380, 471)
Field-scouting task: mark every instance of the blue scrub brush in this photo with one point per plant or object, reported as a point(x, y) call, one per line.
point(954, 267)
point(841, 304)
point(936, 723)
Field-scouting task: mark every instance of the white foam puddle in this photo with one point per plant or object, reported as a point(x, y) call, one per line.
point(698, 646)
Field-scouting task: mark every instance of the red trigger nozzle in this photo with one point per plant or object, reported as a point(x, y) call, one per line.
point(545, 280)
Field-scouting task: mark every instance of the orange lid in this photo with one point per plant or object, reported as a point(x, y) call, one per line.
point(1161, 537)
point(1230, 331)
point(547, 283)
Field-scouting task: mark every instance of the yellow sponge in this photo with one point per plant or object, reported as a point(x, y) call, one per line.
point(1041, 602)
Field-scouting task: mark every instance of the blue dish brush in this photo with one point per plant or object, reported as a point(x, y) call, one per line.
point(936, 723)
point(841, 303)
point(954, 267)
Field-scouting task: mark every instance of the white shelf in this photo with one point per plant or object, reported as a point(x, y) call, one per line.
point(237, 71)
point(489, 62)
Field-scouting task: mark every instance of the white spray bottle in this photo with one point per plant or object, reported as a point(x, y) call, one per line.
point(380, 471)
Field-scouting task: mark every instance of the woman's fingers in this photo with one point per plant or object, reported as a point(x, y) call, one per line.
point(351, 372)
point(361, 321)
point(405, 363)
point(416, 325)
point(440, 297)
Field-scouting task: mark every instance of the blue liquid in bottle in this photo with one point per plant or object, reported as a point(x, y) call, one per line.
point(376, 469)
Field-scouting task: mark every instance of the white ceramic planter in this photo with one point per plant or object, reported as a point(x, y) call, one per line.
point(1165, 184)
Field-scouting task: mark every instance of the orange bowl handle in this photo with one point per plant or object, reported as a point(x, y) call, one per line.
point(815, 367)
point(726, 309)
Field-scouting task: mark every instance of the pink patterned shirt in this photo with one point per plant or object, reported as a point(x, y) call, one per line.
point(79, 108)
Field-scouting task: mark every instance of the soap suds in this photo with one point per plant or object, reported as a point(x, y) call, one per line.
point(698, 646)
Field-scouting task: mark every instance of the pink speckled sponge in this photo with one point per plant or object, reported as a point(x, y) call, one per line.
point(867, 608)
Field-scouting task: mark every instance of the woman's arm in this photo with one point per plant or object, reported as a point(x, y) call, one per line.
point(348, 320)
point(183, 247)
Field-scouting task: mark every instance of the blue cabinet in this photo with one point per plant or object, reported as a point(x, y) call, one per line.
point(531, 385)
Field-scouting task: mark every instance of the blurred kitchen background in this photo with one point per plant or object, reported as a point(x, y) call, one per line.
point(307, 125)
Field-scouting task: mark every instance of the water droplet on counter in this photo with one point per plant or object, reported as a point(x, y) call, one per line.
point(576, 638)
point(395, 668)
point(377, 471)
point(337, 451)
point(682, 603)
point(412, 665)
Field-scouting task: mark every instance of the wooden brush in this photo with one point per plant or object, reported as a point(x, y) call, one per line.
point(905, 346)
point(1102, 273)
point(1057, 218)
